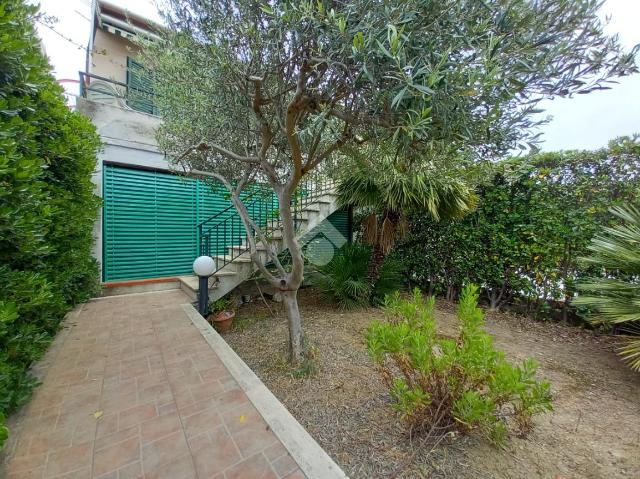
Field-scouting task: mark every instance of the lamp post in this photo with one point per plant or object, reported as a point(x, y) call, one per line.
point(203, 267)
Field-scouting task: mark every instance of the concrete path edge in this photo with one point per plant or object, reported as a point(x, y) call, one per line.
point(311, 458)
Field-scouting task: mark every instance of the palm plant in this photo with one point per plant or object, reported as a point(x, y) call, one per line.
point(615, 298)
point(344, 279)
point(394, 190)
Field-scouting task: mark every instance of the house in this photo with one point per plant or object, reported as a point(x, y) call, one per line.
point(155, 222)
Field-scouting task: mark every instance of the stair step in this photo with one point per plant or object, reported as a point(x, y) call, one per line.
point(245, 248)
point(228, 259)
point(311, 208)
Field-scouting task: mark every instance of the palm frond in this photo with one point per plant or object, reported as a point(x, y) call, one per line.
point(395, 187)
point(615, 299)
point(387, 235)
point(630, 352)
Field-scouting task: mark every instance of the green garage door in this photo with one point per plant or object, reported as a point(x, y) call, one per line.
point(149, 223)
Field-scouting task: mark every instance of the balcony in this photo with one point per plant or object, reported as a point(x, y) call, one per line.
point(132, 95)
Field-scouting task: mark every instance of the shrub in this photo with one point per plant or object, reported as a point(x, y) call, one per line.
point(47, 205)
point(443, 384)
point(344, 279)
point(535, 218)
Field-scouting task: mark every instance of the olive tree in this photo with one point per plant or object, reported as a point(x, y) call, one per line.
point(266, 92)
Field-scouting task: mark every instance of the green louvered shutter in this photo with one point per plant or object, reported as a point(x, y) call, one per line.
point(140, 95)
point(149, 224)
point(340, 220)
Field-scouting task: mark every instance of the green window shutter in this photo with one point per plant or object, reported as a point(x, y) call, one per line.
point(340, 220)
point(140, 94)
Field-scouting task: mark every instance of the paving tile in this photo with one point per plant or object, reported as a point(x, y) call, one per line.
point(113, 457)
point(107, 424)
point(163, 451)
point(298, 474)
point(206, 391)
point(182, 468)
point(70, 459)
point(82, 473)
point(253, 438)
point(49, 442)
point(117, 437)
point(24, 464)
point(274, 451)
point(37, 473)
point(203, 421)
point(131, 471)
point(137, 414)
point(213, 452)
point(254, 467)
point(284, 465)
point(159, 427)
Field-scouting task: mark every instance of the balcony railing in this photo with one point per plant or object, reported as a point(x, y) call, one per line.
point(104, 90)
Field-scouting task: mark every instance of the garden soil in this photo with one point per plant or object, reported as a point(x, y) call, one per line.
point(593, 432)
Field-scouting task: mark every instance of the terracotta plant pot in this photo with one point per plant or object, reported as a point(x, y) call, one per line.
point(222, 320)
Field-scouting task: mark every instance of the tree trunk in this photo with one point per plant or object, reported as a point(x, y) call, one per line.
point(375, 263)
point(290, 300)
point(384, 242)
point(291, 283)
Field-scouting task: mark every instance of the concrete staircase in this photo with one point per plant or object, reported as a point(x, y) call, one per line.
point(236, 266)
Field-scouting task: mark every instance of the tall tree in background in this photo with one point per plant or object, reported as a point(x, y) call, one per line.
point(269, 91)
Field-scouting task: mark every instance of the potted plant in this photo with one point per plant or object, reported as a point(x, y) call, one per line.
point(221, 314)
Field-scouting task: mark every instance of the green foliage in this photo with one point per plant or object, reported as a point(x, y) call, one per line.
point(344, 279)
point(403, 187)
point(441, 384)
point(614, 295)
point(535, 217)
point(47, 204)
point(371, 66)
point(222, 304)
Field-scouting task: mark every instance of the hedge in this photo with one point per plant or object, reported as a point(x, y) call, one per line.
point(47, 205)
point(535, 218)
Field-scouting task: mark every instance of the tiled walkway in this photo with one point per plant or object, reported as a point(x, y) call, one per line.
point(132, 389)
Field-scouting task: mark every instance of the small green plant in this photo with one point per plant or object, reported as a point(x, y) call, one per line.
point(345, 278)
point(222, 304)
point(453, 384)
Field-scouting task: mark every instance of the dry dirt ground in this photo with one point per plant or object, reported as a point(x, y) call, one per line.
point(594, 431)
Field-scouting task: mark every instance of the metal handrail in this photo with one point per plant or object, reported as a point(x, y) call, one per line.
point(147, 96)
point(229, 232)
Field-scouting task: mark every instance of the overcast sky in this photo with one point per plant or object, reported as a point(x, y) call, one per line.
point(582, 122)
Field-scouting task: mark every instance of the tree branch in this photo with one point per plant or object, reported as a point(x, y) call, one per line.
point(293, 111)
point(204, 147)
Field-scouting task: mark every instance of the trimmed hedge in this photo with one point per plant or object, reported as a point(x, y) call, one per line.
point(535, 219)
point(47, 204)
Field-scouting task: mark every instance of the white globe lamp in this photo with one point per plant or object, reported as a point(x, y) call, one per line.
point(203, 267)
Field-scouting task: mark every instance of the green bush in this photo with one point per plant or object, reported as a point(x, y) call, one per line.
point(47, 205)
point(535, 217)
point(443, 384)
point(344, 279)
